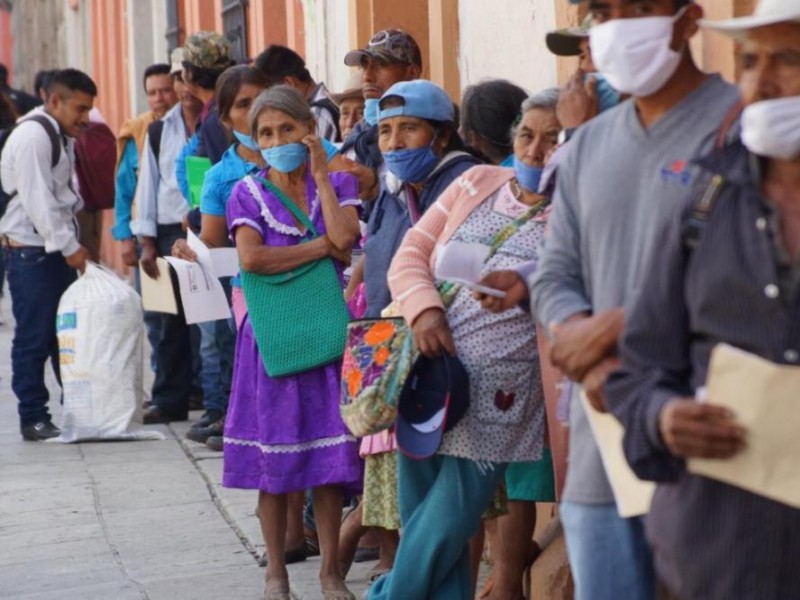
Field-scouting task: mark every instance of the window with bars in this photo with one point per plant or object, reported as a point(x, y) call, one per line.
point(234, 26)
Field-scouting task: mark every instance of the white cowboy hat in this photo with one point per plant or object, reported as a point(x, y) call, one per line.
point(768, 12)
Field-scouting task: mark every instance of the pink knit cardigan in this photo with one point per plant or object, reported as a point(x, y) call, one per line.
point(411, 278)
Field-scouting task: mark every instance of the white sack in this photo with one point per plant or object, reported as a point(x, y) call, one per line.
point(100, 335)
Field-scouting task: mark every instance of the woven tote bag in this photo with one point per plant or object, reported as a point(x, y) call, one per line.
point(299, 317)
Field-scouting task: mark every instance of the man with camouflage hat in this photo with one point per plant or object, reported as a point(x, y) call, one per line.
point(206, 55)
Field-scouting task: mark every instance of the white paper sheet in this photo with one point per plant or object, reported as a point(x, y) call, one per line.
point(462, 262)
point(202, 296)
point(222, 262)
point(766, 400)
point(158, 295)
point(633, 496)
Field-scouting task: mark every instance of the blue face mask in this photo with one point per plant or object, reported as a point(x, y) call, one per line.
point(286, 158)
point(411, 165)
point(371, 110)
point(607, 96)
point(246, 141)
point(528, 177)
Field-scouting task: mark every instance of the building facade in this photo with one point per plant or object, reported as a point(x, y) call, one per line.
point(462, 41)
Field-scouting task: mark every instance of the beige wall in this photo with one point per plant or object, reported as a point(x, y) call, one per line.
point(507, 43)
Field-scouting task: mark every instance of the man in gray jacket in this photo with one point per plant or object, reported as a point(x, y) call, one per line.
point(624, 174)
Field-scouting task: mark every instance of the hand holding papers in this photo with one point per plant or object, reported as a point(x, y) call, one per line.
point(765, 398)
point(632, 495)
point(462, 262)
point(158, 295)
point(201, 293)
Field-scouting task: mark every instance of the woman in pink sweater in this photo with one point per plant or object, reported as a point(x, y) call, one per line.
point(442, 497)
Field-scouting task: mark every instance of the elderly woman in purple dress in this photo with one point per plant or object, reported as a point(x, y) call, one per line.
point(285, 434)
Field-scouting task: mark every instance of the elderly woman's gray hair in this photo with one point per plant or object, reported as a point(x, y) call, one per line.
point(284, 98)
point(544, 100)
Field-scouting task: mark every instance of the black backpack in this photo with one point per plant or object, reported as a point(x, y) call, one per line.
point(331, 107)
point(55, 142)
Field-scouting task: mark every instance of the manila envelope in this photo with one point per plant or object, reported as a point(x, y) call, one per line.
point(633, 495)
point(766, 400)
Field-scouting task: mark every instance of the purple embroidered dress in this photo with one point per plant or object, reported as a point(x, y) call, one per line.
point(285, 434)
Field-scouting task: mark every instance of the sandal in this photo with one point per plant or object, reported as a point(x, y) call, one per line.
point(290, 557)
point(376, 574)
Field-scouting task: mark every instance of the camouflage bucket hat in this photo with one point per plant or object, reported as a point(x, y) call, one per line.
point(176, 60)
point(207, 50)
point(389, 45)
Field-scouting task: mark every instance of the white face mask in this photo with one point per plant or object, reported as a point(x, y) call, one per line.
point(634, 55)
point(772, 128)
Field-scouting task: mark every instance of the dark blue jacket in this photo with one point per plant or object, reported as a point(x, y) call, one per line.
point(390, 220)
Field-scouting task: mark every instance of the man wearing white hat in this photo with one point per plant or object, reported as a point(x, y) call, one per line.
point(727, 271)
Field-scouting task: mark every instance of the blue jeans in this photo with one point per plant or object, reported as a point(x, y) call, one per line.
point(609, 556)
point(217, 342)
point(36, 281)
point(441, 500)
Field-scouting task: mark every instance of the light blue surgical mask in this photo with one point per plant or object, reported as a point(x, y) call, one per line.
point(371, 110)
point(411, 165)
point(527, 176)
point(607, 96)
point(246, 141)
point(286, 158)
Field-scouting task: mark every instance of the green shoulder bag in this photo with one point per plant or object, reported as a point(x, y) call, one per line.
point(299, 317)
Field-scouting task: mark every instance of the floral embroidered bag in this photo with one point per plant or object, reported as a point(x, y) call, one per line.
point(377, 361)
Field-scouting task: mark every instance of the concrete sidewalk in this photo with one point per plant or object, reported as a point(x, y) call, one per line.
point(126, 520)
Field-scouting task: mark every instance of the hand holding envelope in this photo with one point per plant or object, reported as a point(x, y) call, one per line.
point(765, 398)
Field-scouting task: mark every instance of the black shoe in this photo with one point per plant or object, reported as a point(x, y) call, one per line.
point(155, 415)
point(196, 400)
point(37, 432)
point(215, 443)
point(201, 434)
point(211, 416)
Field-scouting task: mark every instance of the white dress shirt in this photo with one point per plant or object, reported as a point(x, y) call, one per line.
point(158, 199)
point(43, 211)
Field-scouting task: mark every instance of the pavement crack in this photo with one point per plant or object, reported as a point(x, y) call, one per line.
point(220, 506)
point(98, 509)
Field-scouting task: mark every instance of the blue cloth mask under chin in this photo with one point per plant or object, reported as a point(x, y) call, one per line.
point(411, 165)
point(527, 176)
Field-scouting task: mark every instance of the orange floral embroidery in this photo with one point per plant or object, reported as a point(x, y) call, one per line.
point(354, 382)
point(379, 333)
point(381, 356)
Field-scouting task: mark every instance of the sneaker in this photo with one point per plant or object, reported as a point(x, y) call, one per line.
point(37, 432)
point(201, 434)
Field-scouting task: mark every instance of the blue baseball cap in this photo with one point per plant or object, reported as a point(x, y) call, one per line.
point(434, 398)
point(421, 98)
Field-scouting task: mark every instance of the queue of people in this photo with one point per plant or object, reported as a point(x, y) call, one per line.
point(625, 225)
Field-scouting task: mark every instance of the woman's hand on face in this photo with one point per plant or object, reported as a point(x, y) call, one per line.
point(319, 158)
point(432, 334)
